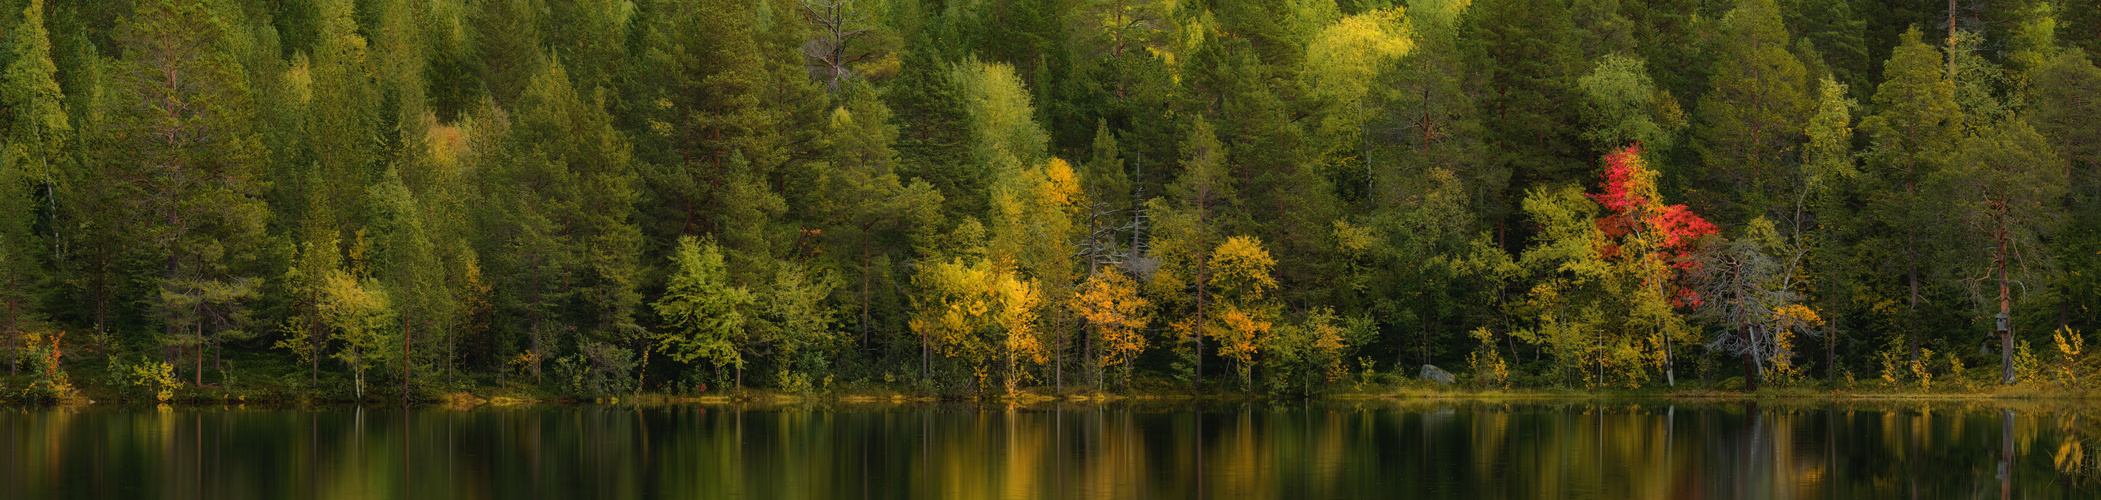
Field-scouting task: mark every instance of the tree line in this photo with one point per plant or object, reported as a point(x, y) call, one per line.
point(595, 197)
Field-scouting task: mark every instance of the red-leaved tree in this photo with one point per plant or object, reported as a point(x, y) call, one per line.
point(1655, 242)
point(1638, 217)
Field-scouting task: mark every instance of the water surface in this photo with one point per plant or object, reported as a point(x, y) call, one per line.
point(1294, 450)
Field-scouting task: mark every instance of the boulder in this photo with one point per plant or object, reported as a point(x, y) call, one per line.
point(1432, 372)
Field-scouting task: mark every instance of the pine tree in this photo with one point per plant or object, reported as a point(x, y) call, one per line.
point(867, 207)
point(586, 195)
point(1190, 225)
point(1839, 34)
point(1525, 56)
point(408, 264)
point(2006, 186)
point(191, 174)
point(1830, 170)
point(1754, 114)
point(729, 130)
point(2064, 98)
point(1600, 29)
point(1913, 132)
point(2080, 26)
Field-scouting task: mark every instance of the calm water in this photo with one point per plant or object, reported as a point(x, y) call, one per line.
point(1293, 450)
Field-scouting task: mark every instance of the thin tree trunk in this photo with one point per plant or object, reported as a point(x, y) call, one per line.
point(405, 335)
point(14, 334)
point(2005, 311)
point(313, 336)
point(1670, 369)
point(1200, 279)
point(198, 362)
point(1951, 39)
point(643, 371)
point(1911, 322)
point(1831, 346)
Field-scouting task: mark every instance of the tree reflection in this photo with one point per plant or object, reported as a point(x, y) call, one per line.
point(1293, 449)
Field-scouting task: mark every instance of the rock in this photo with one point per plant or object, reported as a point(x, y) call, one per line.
point(1432, 372)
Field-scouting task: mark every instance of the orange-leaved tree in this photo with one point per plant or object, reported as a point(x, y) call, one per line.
point(1109, 301)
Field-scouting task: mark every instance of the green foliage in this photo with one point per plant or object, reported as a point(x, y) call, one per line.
point(1003, 134)
point(1302, 355)
point(597, 370)
point(795, 322)
point(1624, 107)
point(703, 314)
point(833, 191)
point(1755, 113)
point(358, 315)
point(1524, 52)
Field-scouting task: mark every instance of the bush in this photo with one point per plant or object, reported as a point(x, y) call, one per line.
point(597, 370)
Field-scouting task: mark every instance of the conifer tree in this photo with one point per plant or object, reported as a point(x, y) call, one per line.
point(507, 46)
point(1523, 52)
point(868, 207)
point(2005, 187)
point(2064, 98)
point(1914, 131)
point(1189, 228)
point(191, 173)
point(38, 133)
point(1754, 114)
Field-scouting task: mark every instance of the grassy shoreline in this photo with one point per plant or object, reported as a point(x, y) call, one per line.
point(519, 394)
point(260, 382)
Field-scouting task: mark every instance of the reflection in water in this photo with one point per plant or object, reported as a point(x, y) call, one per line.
point(1653, 449)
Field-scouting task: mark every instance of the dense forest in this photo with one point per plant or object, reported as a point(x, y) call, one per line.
point(367, 198)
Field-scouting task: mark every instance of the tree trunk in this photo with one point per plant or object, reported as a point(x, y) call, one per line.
point(198, 362)
point(2006, 312)
point(1750, 373)
point(313, 341)
point(1951, 39)
point(864, 274)
point(1670, 369)
point(1200, 279)
point(405, 359)
point(1831, 347)
point(1911, 321)
point(14, 334)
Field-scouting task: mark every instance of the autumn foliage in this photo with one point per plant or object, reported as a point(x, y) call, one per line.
point(1637, 214)
point(1111, 303)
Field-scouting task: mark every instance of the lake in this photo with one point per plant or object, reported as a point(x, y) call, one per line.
point(1267, 449)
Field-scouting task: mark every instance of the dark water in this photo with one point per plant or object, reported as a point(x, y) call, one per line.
point(1295, 450)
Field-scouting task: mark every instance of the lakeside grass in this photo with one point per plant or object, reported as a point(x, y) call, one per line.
point(252, 384)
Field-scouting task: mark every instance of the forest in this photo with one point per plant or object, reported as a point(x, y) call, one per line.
point(355, 199)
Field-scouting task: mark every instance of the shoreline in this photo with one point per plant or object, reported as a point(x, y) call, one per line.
point(501, 397)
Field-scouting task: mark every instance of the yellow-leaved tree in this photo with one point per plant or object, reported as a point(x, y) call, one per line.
point(1240, 274)
point(1110, 303)
point(976, 312)
point(1343, 60)
point(1300, 354)
point(357, 313)
point(1035, 212)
